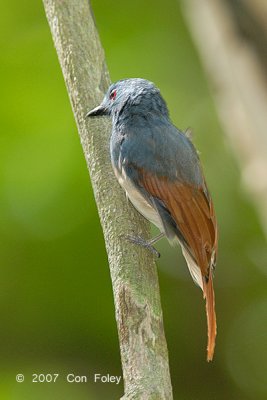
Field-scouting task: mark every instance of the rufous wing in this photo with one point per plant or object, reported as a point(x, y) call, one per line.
point(192, 210)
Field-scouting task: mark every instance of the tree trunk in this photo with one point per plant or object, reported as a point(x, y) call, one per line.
point(133, 272)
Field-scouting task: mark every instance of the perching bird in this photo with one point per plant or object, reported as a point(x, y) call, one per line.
point(159, 168)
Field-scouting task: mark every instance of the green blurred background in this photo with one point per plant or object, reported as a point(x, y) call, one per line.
point(56, 303)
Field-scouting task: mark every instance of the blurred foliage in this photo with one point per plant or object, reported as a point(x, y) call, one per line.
point(56, 304)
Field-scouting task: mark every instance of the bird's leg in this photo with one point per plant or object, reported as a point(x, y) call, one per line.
point(156, 238)
point(147, 244)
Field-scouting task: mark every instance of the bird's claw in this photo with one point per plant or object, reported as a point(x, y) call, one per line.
point(142, 242)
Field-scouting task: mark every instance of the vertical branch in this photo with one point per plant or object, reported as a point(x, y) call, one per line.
point(133, 271)
point(239, 87)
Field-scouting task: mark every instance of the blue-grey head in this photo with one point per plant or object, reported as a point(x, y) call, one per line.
point(133, 96)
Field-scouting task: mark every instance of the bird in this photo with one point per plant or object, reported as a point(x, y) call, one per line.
point(159, 168)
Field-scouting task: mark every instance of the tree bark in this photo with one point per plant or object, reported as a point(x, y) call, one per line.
point(133, 272)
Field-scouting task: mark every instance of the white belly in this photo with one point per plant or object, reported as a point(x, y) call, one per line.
point(138, 201)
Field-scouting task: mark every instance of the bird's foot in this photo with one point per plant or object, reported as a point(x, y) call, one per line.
point(142, 242)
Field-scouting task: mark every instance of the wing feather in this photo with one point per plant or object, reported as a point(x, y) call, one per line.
point(192, 210)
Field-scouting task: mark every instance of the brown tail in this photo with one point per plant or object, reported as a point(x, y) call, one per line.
point(211, 316)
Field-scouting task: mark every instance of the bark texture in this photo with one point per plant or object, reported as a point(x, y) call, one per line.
point(133, 271)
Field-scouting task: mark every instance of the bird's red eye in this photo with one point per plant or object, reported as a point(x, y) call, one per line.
point(113, 94)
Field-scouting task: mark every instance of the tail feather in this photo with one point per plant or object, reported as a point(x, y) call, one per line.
point(187, 213)
point(208, 293)
point(211, 316)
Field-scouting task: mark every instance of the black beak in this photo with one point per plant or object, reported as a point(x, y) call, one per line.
point(97, 112)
